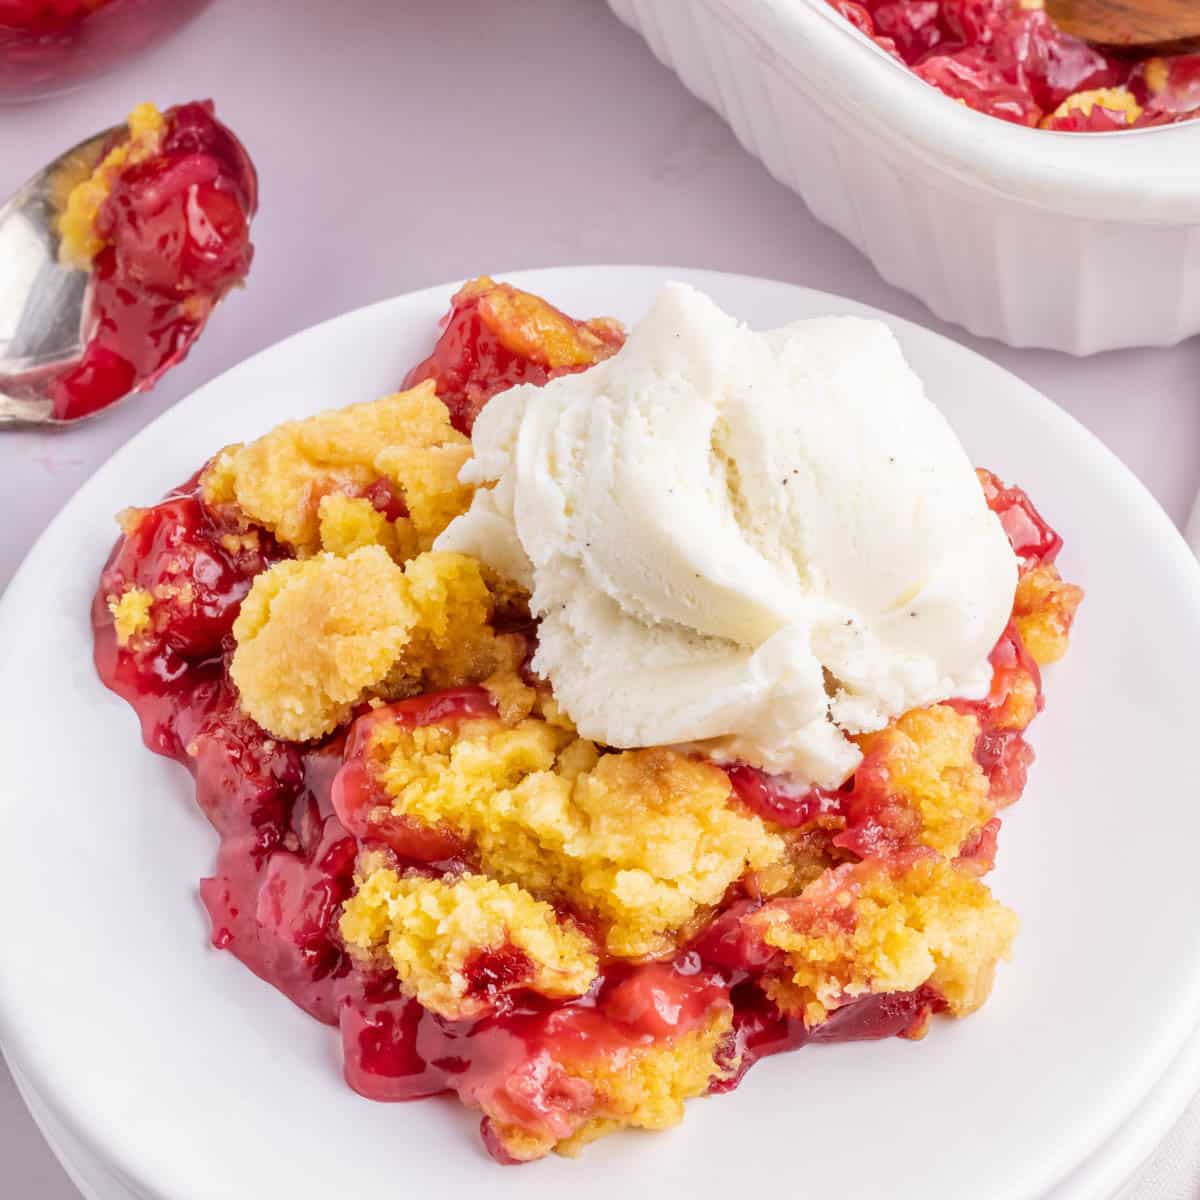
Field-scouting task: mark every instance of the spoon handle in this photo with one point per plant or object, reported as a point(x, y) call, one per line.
point(24, 414)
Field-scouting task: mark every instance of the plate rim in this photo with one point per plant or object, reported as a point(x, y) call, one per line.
point(104, 1138)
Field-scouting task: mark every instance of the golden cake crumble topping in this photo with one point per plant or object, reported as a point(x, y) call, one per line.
point(79, 242)
point(313, 636)
point(317, 636)
point(644, 1088)
point(1119, 101)
point(348, 523)
point(529, 328)
point(639, 842)
point(402, 447)
point(871, 928)
point(633, 1086)
point(456, 945)
point(927, 757)
point(1043, 613)
point(131, 613)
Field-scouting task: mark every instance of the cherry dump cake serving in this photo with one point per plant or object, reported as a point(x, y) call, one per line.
point(598, 716)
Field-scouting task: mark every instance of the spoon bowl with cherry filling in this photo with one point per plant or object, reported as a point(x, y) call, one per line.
point(1149, 27)
point(112, 258)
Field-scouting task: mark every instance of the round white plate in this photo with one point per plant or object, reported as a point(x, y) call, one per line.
point(190, 1079)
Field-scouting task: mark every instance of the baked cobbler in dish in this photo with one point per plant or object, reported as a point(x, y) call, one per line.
point(424, 838)
point(1007, 58)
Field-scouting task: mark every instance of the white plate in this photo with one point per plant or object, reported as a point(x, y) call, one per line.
point(191, 1080)
point(1102, 1177)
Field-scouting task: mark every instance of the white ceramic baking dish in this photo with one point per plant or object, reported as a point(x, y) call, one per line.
point(1076, 242)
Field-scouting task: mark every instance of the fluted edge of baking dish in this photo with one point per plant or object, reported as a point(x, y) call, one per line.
point(1032, 237)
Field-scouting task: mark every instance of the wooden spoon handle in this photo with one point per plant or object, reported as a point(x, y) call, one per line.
point(1128, 22)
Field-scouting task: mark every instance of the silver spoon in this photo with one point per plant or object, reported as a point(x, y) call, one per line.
point(43, 303)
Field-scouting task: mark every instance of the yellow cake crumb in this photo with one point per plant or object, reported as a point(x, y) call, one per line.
point(131, 614)
point(313, 636)
point(453, 642)
point(646, 1089)
point(79, 242)
point(455, 606)
point(348, 523)
point(1043, 612)
point(866, 928)
point(279, 480)
point(643, 841)
point(553, 712)
point(808, 853)
point(532, 328)
point(1116, 100)
point(316, 636)
point(513, 697)
point(433, 929)
point(1157, 74)
point(928, 759)
point(218, 479)
point(1020, 704)
point(427, 477)
point(639, 1087)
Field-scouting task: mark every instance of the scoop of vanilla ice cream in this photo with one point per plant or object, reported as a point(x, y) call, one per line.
point(760, 542)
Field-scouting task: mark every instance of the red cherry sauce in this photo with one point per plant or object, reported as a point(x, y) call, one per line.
point(513, 1059)
point(875, 822)
point(1003, 753)
point(1011, 62)
point(284, 864)
point(733, 946)
point(775, 798)
point(513, 1064)
point(1033, 541)
point(45, 16)
point(358, 797)
point(177, 234)
point(386, 499)
point(1176, 96)
point(760, 1029)
point(470, 363)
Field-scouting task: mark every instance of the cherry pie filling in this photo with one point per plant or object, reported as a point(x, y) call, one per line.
point(48, 46)
point(549, 1066)
point(1006, 58)
point(163, 225)
point(45, 16)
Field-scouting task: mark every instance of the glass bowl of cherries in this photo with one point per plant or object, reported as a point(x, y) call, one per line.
point(49, 46)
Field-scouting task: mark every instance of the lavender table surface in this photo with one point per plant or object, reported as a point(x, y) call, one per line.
point(407, 144)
